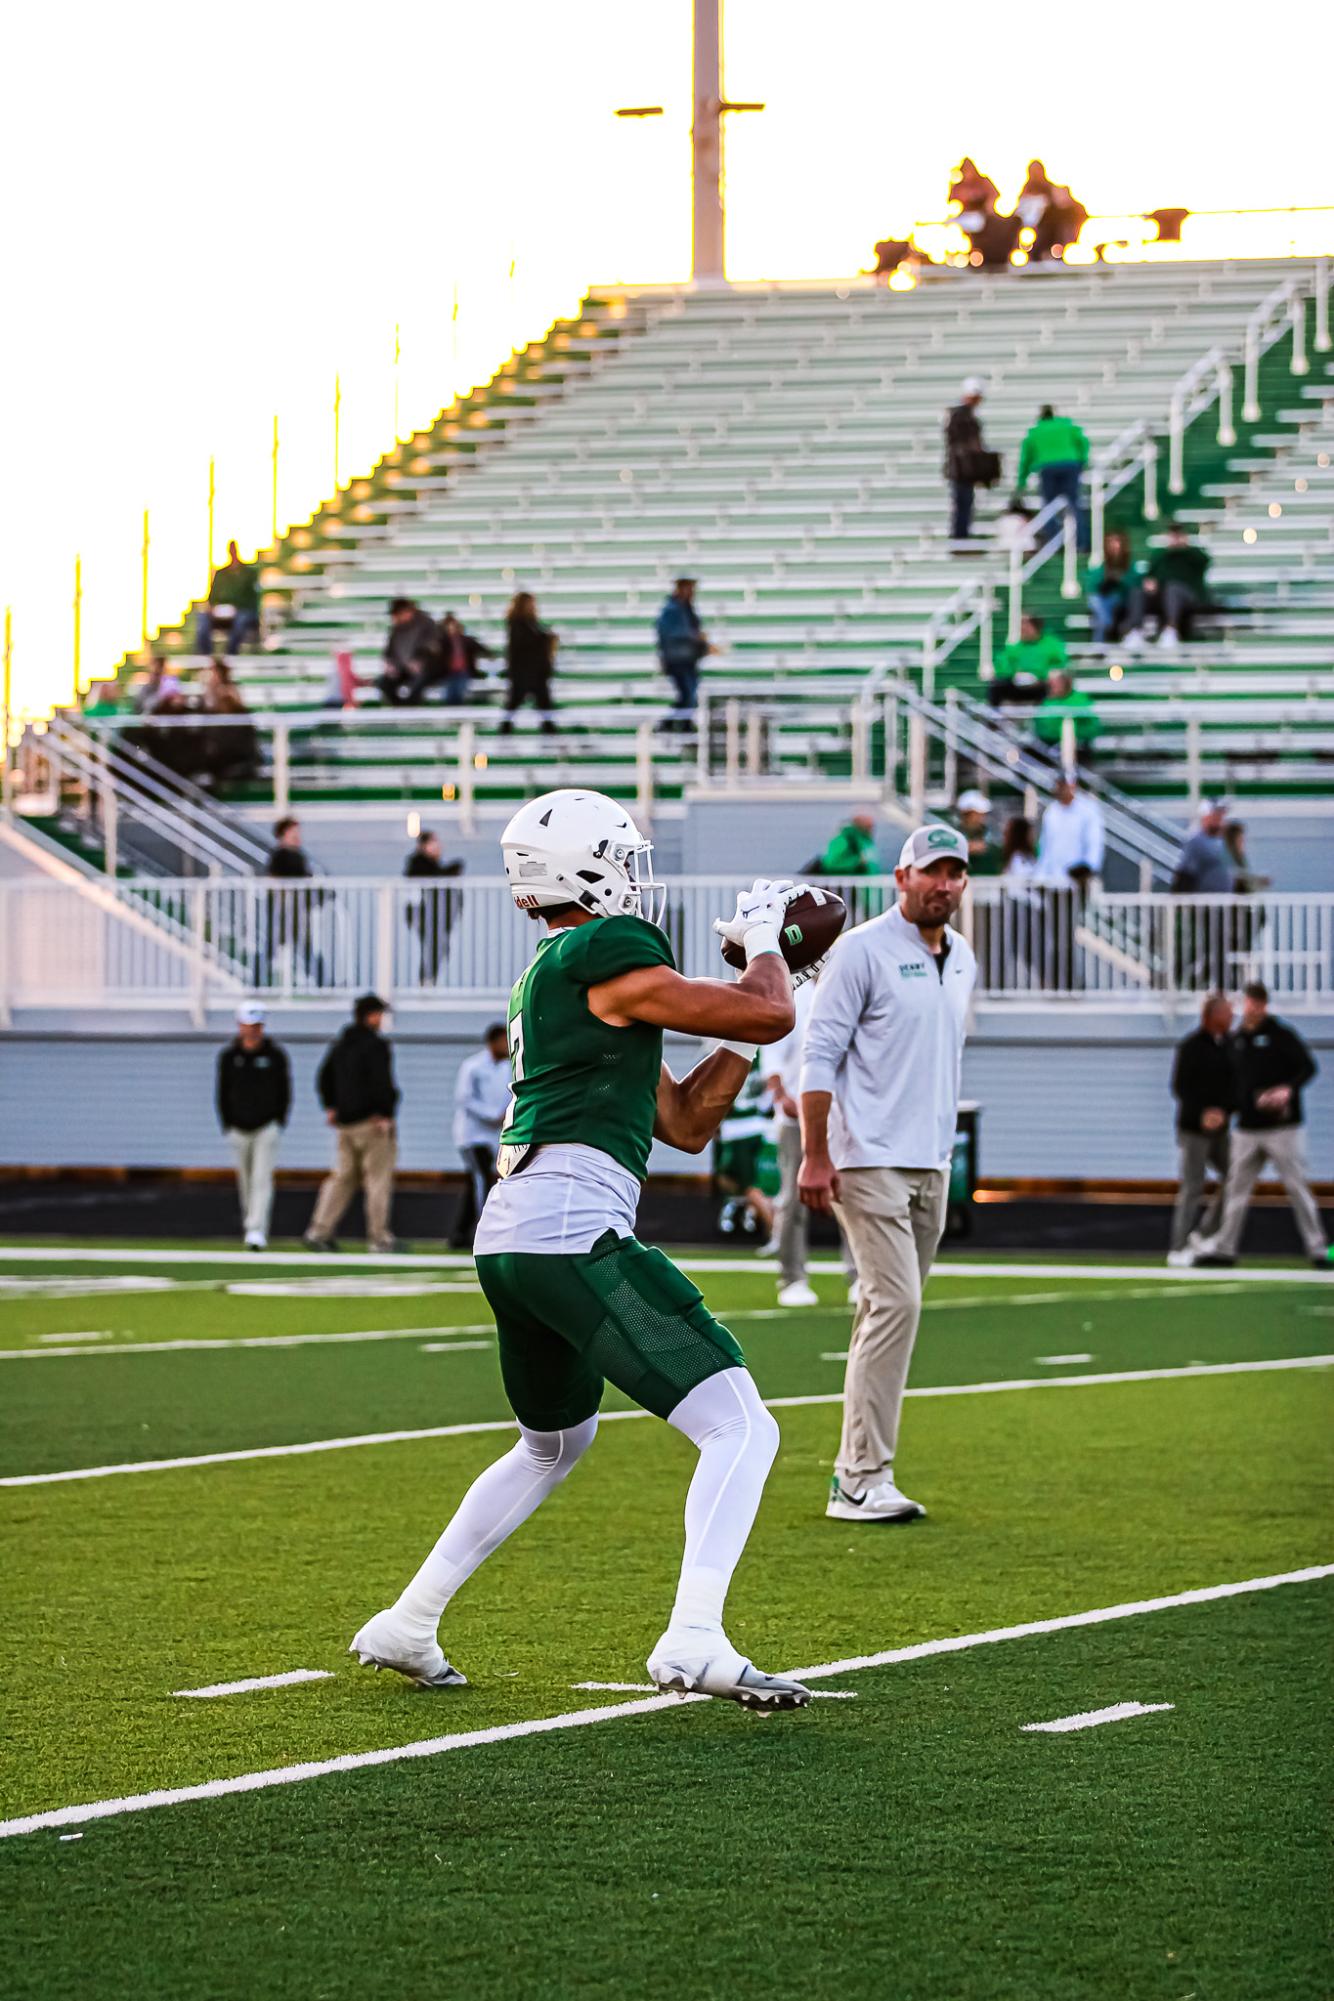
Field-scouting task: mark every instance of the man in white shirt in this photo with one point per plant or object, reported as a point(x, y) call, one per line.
point(481, 1100)
point(879, 1108)
point(1071, 846)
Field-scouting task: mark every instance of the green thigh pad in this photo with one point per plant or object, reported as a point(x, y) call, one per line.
point(619, 1311)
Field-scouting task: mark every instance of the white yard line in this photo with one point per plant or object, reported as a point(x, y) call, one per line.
point(612, 1416)
point(449, 1261)
point(224, 1342)
point(288, 1680)
point(462, 1740)
point(1089, 1719)
point(639, 1687)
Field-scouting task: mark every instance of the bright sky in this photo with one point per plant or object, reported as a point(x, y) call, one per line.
point(207, 213)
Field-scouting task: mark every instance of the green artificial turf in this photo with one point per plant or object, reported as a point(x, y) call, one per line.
point(913, 1842)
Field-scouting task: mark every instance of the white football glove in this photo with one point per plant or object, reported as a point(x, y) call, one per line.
point(760, 912)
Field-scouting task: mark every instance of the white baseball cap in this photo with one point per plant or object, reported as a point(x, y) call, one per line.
point(973, 801)
point(932, 844)
point(974, 385)
point(250, 1014)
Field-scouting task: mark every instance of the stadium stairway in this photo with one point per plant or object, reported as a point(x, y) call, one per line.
point(784, 443)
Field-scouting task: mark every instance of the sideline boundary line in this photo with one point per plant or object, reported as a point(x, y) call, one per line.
point(431, 1747)
point(304, 1447)
point(258, 1261)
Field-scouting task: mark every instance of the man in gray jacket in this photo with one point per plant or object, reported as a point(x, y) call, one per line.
point(879, 1107)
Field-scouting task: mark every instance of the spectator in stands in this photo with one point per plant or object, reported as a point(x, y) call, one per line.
point(254, 1097)
point(968, 463)
point(1271, 1065)
point(235, 587)
point(432, 917)
point(409, 651)
point(1204, 866)
point(1057, 451)
point(231, 751)
point(972, 813)
point(340, 689)
point(481, 1101)
point(530, 651)
point(218, 693)
point(356, 1087)
point(1019, 850)
point(852, 851)
point(1246, 880)
point(991, 237)
point(1024, 667)
point(682, 644)
point(457, 658)
point(1172, 591)
point(292, 910)
point(1063, 699)
point(1051, 212)
point(1109, 585)
point(158, 688)
point(1070, 851)
point(1204, 1086)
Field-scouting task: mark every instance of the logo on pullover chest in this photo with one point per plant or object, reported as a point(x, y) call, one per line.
point(912, 969)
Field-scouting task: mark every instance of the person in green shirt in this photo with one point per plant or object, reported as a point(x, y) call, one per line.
point(852, 851)
point(1022, 668)
point(236, 584)
point(1175, 588)
point(1064, 699)
point(578, 1300)
point(1057, 451)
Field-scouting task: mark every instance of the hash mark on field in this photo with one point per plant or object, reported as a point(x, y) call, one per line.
point(418, 1434)
point(1088, 1719)
point(1055, 1361)
point(461, 1740)
point(101, 1334)
point(288, 1680)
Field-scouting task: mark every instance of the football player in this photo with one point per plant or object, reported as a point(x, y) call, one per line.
point(577, 1300)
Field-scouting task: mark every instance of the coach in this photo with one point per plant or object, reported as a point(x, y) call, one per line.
point(254, 1097)
point(879, 1106)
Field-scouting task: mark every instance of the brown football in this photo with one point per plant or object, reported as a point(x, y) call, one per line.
point(814, 919)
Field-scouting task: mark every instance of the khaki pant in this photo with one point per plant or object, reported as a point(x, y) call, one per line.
point(1199, 1151)
point(366, 1156)
point(1284, 1147)
point(892, 1218)
point(255, 1154)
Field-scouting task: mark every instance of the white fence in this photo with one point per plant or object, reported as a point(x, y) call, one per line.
point(204, 944)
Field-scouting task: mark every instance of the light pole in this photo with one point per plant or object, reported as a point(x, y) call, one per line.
point(708, 260)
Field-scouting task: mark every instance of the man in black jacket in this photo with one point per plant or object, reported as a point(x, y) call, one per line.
point(1204, 1088)
point(1272, 1063)
point(254, 1097)
point(963, 449)
point(410, 652)
point(357, 1089)
point(433, 917)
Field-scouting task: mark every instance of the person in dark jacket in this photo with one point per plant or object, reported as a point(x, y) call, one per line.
point(682, 644)
point(254, 1097)
point(356, 1087)
point(963, 457)
point(433, 916)
point(529, 651)
point(1204, 1087)
point(1271, 1065)
point(409, 652)
point(1175, 586)
point(292, 910)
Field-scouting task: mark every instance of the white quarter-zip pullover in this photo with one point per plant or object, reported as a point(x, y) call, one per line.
point(886, 1037)
point(481, 1099)
point(1072, 837)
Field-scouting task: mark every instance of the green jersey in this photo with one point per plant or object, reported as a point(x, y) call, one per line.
point(578, 1081)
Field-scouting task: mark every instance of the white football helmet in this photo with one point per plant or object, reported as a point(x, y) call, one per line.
point(580, 847)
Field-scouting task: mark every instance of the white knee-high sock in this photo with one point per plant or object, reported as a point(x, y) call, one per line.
point(737, 1439)
point(493, 1507)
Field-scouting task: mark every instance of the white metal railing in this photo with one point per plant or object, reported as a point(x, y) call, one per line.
point(1114, 467)
point(1286, 305)
point(1207, 380)
point(441, 946)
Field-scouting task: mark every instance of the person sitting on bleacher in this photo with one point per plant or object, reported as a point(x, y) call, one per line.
point(236, 587)
point(409, 652)
point(1063, 699)
point(456, 660)
point(1051, 212)
point(1174, 589)
point(1109, 585)
point(1023, 666)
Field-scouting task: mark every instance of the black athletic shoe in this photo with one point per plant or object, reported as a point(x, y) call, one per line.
point(1213, 1261)
point(319, 1243)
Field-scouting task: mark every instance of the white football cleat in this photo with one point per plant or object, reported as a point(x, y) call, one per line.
point(698, 1661)
point(383, 1644)
point(255, 1240)
point(799, 1293)
point(1180, 1259)
point(881, 1503)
